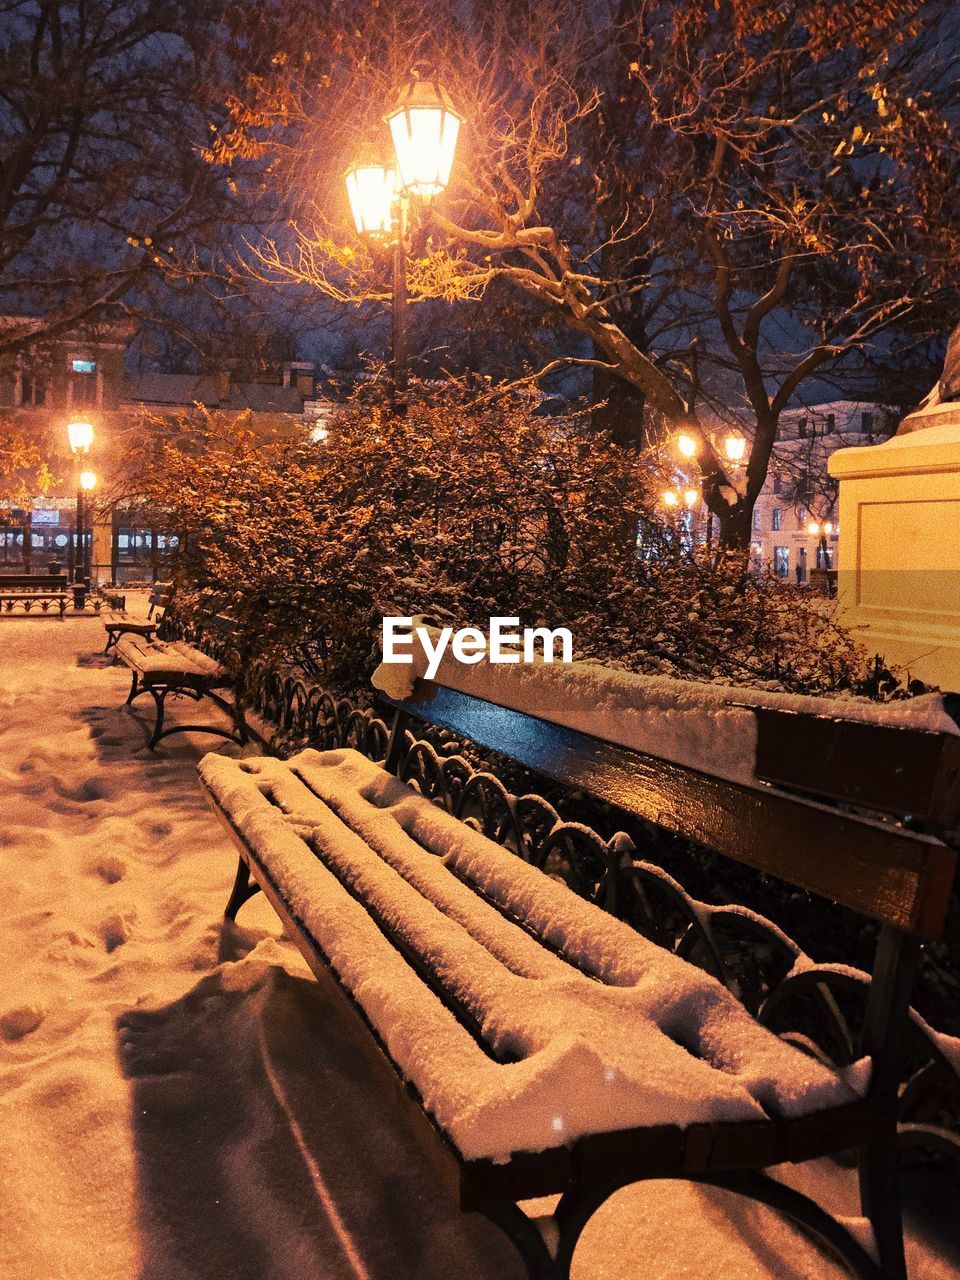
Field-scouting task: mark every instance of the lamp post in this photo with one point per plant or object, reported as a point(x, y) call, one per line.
point(424, 126)
point(80, 435)
point(88, 481)
point(821, 532)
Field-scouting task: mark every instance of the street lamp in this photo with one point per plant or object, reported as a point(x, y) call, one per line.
point(80, 435)
point(424, 126)
point(821, 532)
point(735, 446)
point(687, 446)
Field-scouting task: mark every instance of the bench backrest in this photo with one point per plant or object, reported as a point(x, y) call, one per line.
point(789, 825)
point(160, 596)
point(33, 581)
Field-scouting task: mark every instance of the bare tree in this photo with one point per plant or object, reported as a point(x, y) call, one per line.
point(107, 114)
point(765, 185)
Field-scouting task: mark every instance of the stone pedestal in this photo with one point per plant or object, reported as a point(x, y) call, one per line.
point(899, 580)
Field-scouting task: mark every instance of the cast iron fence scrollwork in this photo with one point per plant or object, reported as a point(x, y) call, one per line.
point(817, 1007)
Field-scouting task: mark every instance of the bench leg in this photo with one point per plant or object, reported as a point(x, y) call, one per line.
point(243, 890)
point(880, 1201)
point(158, 696)
point(528, 1242)
point(239, 720)
point(133, 688)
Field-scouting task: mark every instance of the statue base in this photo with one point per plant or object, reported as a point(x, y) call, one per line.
point(899, 570)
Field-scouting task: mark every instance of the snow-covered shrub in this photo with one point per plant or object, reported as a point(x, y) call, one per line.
point(469, 505)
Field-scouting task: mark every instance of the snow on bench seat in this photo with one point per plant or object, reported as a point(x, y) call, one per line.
point(136, 626)
point(159, 661)
point(709, 727)
point(569, 1021)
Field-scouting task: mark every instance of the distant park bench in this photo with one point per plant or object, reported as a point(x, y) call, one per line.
point(38, 592)
point(176, 668)
point(118, 622)
point(543, 1046)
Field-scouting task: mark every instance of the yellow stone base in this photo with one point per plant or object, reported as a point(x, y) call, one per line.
point(899, 579)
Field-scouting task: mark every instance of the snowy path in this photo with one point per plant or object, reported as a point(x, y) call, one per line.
point(168, 1115)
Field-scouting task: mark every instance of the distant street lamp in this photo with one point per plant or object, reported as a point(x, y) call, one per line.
point(735, 446)
point(822, 532)
point(424, 127)
point(80, 435)
point(687, 446)
point(671, 498)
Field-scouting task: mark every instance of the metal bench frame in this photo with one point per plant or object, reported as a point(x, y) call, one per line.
point(159, 598)
point(899, 878)
point(29, 589)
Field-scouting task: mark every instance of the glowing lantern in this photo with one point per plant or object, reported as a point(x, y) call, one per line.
point(735, 447)
point(813, 528)
point(670, 498)
point(686, 446)
point(691, 497)
point(80, 435)
point(425, 127)
point(88, 480)
point(372, 189)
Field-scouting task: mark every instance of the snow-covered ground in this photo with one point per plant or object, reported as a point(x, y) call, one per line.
point(178, 1102)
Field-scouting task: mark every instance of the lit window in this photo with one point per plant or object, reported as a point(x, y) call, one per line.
point(83, 366)
point(781, 561)
point(776, 518)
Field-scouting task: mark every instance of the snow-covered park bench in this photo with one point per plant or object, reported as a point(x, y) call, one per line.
point(175, 668)
point(117, 622)
point(540, 1045)
point(34, 591)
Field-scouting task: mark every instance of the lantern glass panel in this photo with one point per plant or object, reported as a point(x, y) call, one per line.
point(425, 139)
point(372, 190)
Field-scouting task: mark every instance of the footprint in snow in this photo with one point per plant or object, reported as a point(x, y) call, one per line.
point(19, 1022)
point(110, 868)
point(116, 929)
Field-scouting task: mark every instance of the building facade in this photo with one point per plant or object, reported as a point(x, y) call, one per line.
point(83, 375)
point(796, 526)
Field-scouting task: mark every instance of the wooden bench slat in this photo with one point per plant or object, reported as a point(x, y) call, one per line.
point(878, 767)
